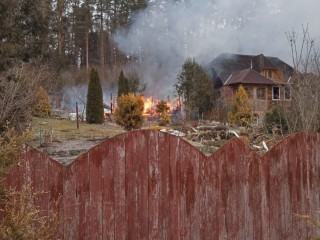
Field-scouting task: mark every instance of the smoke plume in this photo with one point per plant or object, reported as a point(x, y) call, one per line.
point(167, 32)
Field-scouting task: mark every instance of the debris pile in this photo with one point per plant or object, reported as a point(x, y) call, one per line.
point(209, 136)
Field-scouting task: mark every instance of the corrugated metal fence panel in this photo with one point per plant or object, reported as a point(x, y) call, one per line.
point(152, 185)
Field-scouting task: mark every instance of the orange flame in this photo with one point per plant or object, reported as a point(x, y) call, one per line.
point(148, 105)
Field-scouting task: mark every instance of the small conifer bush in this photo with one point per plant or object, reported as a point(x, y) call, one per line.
point(42, 107)
point(241, 113)
point(162, 109)
point(129, 113)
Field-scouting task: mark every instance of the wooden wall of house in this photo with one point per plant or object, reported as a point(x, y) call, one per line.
point(277, 76)
point(282, 101)
point(269, 97)
point(259, 106)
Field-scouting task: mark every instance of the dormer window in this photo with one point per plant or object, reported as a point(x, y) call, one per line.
point(268, 73)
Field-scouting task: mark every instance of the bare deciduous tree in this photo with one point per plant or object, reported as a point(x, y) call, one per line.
point(303, 114)
point(18, 91)
point(220, 109)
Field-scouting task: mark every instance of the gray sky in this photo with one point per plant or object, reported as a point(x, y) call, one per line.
point(164, 35)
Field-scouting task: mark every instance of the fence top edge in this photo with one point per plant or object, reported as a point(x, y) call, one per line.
point(229, 144)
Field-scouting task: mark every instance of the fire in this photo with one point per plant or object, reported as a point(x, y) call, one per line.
point(148, 104)
point(170, 105)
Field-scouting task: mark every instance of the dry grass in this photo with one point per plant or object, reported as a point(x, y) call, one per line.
point(63, 130)
point(23, 219)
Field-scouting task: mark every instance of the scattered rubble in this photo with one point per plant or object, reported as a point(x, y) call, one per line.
point(208, 136)
point(173, 132)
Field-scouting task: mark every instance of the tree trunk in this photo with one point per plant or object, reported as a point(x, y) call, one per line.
point(87, 44)
point(101, 47)
point(60, 9)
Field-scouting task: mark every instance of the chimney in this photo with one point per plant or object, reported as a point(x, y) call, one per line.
point(261, 61)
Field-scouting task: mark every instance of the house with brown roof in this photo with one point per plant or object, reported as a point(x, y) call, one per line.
point(266, 79)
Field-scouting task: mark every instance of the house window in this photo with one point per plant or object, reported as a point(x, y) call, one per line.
point(261, 93)
point(287, 92)
point(268, 73)
point(249, 92)
point(275, 93)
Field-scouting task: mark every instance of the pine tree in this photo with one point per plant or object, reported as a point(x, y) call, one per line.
point(135, 83)
point(94, 111)
point(241, 113)
point(195, 88)
point(24, 31)
point(123, 85)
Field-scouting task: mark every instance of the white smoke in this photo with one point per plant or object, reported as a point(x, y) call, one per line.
point(78, 94)
point(166, 33)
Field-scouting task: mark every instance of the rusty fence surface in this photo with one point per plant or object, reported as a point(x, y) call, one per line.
point(152, 185)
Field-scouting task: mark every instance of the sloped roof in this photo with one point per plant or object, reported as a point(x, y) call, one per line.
point(226, 64)
point(248, 76)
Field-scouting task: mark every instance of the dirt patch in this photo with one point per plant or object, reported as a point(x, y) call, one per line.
point(63, 141)
point(66, 151)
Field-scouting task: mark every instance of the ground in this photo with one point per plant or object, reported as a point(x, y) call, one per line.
point(66, 151)
point(62, 141)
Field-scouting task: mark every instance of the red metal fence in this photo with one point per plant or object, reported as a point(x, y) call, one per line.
point(152, 185)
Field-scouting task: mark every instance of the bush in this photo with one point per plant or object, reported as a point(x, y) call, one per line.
point(23, 219)
point(18, 93)
point(129, 113)
point(274, 118)
point(11, 142)
point(241, 113)
point(94, 111)
point(42, 107)
point(162, 109)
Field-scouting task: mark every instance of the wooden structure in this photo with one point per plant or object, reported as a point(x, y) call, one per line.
point(152, 185)
point(266, 79)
